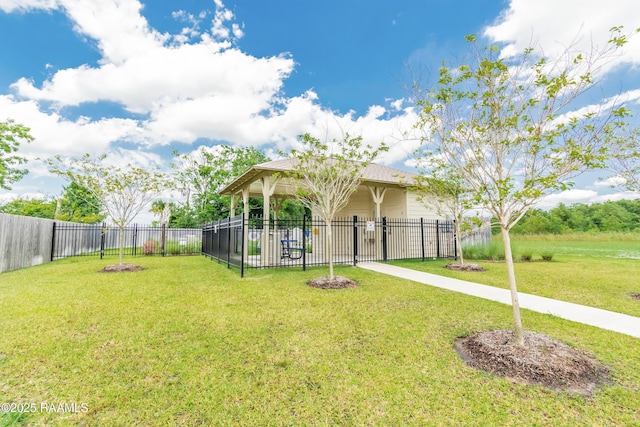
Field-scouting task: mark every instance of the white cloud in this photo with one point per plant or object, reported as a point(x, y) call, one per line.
point(556, 25)
point(583, 196)
point(26, 5)
point(55, 135)
point(614, 181)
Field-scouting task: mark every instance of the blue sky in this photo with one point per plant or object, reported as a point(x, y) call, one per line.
point(138, 79)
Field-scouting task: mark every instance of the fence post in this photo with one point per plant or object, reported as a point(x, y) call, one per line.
point(437, 238)
point(103, 236)
point(355, 240)
point(384, 238)
point(422, 236)
point(242, 256)
point(135, 238)
point(217, 230)
point(304, 243)
point(53, 240)
point(162, 239)
point(455, 242)
point(229, 243)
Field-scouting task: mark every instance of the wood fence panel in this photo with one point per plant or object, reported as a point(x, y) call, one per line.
point(24, 241)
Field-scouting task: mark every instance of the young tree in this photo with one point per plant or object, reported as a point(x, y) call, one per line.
point(507, 127)
point(327, 174)
point(11, 135)
point(440, 186)
point(122, 192)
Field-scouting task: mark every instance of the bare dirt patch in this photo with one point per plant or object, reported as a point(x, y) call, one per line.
point(541, 361)
point(338, 282)
point(120, 268)
point(465, 267)
point(635, 296)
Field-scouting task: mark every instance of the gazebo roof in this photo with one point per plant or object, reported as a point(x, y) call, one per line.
point(373, 174)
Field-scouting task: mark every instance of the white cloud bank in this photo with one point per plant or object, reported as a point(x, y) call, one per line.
point(198, 83)
point(175, 87)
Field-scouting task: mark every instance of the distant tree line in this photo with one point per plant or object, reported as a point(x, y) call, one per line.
point(619, 216)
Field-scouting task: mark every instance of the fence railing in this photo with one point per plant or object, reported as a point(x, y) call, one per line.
point(72, 239)
point(222, 240)
point(256, 243)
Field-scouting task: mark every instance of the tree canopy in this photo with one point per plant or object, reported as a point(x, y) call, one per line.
point(122, 192)
point(327, 174)
point(509, 127)
point(202, 174)
point(11, 136)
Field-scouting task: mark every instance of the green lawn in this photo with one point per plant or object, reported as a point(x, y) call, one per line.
point(187, 342)
point(593, 272)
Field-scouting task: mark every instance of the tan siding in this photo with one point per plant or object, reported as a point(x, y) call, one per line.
point(417, 209)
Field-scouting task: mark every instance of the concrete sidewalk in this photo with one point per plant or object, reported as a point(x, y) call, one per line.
point(604, 319)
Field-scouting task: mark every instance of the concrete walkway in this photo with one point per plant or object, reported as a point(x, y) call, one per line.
point(604, 319)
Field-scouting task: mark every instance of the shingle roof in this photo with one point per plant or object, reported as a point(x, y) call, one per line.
point(373, 173)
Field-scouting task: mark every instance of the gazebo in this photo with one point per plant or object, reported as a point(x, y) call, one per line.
point(384, 192)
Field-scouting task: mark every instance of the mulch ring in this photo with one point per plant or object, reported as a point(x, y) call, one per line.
point(635, 296)
point(338, 282)
point(119, 268)
point(465, 267)
point(541, 361)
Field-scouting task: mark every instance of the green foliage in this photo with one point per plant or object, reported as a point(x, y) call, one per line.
point(11, 136)
point(30, 207)
point(618, 216)
point(201, 175)
point(498, 122)
point(494, 120)
point(493, 251)
point(78, 204)
point(325, 176)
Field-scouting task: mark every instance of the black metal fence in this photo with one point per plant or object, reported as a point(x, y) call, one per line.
point(301, 243)
point(71, 239)
point(222, 240)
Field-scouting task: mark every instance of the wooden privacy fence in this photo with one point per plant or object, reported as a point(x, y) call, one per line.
point(24, 241)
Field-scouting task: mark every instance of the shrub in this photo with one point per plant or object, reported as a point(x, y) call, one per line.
point(149, 247)
point(493, 251)
point(547, 256)
point(527, 256)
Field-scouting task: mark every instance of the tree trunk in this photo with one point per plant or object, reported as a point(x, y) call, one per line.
point(458, 243)
point(508, 257)
point(329, 245)
point(121, 242)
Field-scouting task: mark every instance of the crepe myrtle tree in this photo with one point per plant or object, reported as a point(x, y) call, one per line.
point(122, 192)
point(327, 174)
point(11, 135)
point(508, 127)
point(439, 186)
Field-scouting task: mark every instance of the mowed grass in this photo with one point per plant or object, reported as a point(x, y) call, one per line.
point(187, 342)
point(592, 272)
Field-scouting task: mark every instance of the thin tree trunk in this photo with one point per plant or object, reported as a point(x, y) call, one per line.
point(508, 257)
point(330, 249)
point(458, 242)
point(121, 243)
